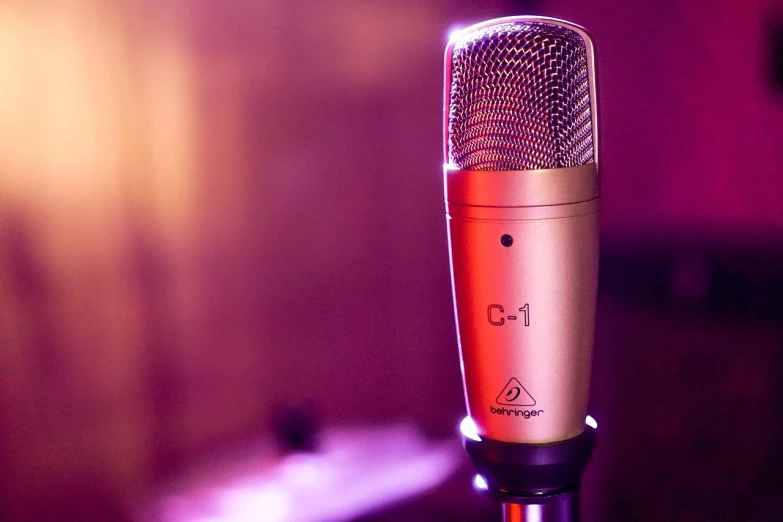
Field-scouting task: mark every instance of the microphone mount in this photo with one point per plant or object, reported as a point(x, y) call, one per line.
point(534, 482)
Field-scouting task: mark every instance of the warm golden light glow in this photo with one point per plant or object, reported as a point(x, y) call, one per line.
point(97, 126)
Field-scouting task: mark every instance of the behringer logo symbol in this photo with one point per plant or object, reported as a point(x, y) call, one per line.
point(514, 394)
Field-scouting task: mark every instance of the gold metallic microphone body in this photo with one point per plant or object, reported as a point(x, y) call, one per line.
point(525, 311)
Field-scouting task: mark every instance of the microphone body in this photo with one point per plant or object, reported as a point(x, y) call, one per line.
point(522, 198)
point(524, 261)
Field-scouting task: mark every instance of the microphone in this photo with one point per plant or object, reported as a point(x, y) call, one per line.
point(522, 193)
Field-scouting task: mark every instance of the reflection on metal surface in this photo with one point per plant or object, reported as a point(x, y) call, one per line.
point(468, 428)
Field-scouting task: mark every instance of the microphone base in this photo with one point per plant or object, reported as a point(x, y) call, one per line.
point(516, 473)
point(563, 507)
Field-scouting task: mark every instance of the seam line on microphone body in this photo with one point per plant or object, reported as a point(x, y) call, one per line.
point(512, 214)
point(523, 206)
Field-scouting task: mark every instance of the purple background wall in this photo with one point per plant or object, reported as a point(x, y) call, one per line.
point(210, 209)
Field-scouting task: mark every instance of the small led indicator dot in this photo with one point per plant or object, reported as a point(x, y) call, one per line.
point(506, 240)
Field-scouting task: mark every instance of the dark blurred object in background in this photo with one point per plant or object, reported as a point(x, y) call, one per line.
point(775, 52)
point(296, 427)
point(209, 208)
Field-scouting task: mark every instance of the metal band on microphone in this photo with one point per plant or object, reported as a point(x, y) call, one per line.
point(521, 188)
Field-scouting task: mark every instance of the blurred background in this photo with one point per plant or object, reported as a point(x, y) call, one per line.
point(222, 236)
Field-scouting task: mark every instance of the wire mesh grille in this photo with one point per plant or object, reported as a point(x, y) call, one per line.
point(520, 99)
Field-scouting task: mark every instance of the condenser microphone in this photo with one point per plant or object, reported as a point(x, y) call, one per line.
point(522, 193)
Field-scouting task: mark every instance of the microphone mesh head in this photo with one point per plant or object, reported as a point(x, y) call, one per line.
point(519, 98)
